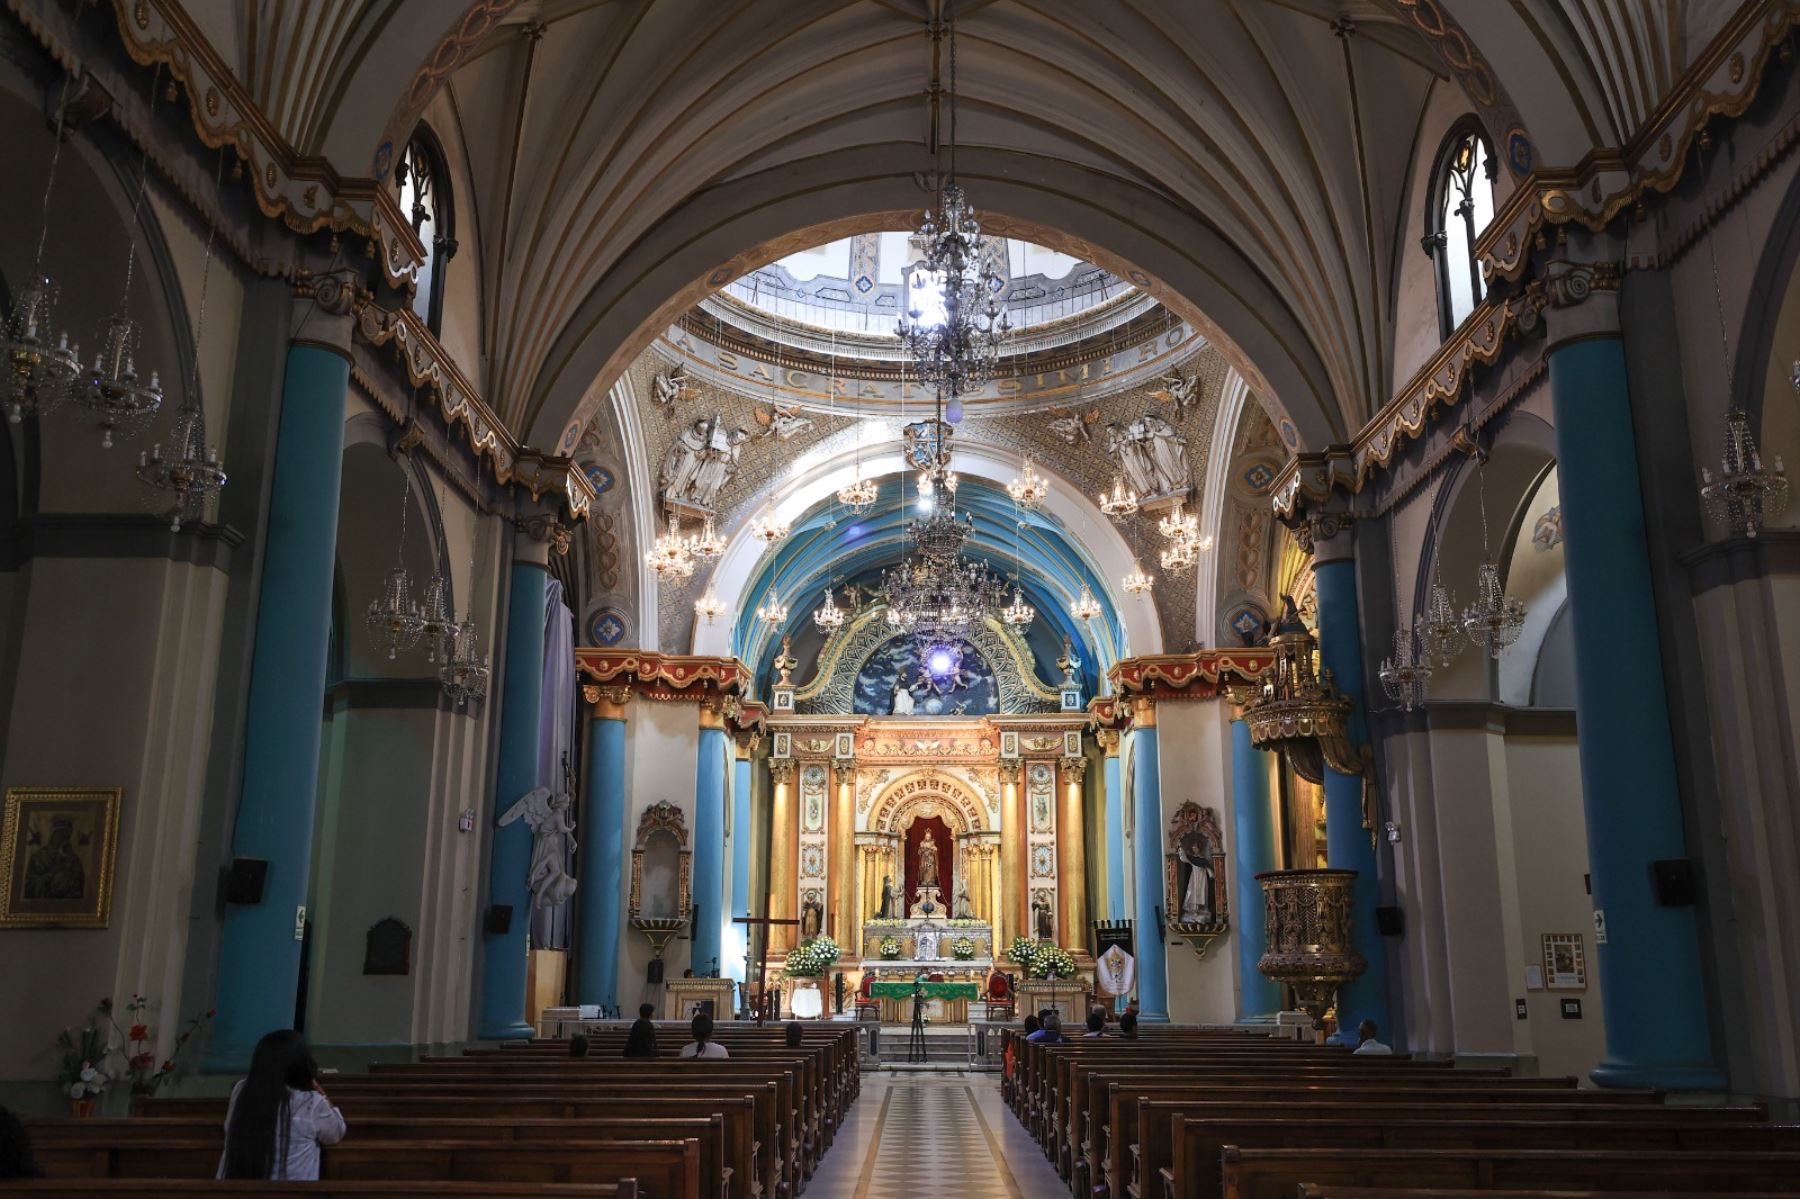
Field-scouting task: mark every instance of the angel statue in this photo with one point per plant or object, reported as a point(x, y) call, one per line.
point(667, 388)
point(779, 422)
point(1183, 393)
point(546, 813)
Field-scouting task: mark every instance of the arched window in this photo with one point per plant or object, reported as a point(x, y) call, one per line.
point(1462, 204)
point(424, 184)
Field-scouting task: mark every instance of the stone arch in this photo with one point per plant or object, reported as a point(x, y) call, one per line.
point(925, 793)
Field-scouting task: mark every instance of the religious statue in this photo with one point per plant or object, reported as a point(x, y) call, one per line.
point(1041, 918)
point(1076, 426)
point(903, 697)
point(1150, 454)
point(1183, 393)
point(890, 902)
point(786, 662)
point(547, 815)
point(666, 388)
point(1197, 895)
point(960, 906)
point(780, 423)
point(928, 866)
point(926, 943)
point(701, 462)
point(812, 915)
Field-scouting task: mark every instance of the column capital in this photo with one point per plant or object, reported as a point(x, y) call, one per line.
point(1109, 741)
point(1010, 770)
point(608, 702)
point(712, 714)
point(1074, 769)
point(1327, 535)
point(324, 311)
point(1581, 301)
point(537, 533)
point(1143, 712)
point(843, 765)
point(781, 770)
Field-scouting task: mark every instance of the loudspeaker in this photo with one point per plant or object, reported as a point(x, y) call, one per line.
point(499, 919)
point(1674, 879)
point(656, 965)
point(244, 880)
point(1390, 922)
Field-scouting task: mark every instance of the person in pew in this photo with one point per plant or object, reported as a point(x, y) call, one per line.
point(703, 1045)
point(279, 1116)
point(1366, 1044)
point(1128, 1025)
point(1096, 1023)
point(1032, 1024)
point(641, 1040)
point(16, 1157)
point(1050, 1031)
point(578, 1046)
point(646, 1011)
point(795, 1030)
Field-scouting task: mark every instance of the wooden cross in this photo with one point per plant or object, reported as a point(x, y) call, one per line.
point(762, 957)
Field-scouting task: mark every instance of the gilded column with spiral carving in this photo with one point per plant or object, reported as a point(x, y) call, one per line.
point(784, 855)
point(1071, 857)
point(1014, 916)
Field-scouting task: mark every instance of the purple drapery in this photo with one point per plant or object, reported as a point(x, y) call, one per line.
point(556, 738)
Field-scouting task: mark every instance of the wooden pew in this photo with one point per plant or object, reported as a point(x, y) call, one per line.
point(1312, 1191)
point(1279, 1173)
point(131, 1188)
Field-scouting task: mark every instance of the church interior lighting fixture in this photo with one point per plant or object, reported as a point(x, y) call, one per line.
point(1029, 489)
point(1137, 582)
point(1440, 633)
point(1182, 554)
point(1404, 675)
point(465, 671)
point(1179, 525)
point(41, 365)
point(1493, 622)
point(1120, 502)
point(1743, 495)
point(859, 495)
point(671, 557)
point(768, 529)
point(954, 324)
point(192, 473)
point(436, 620)
point(707, 544)
point(1085, 607)
point(1017, 613)
point(772, 611)
point(828, 616)
point(394, 620)
point(709, 607)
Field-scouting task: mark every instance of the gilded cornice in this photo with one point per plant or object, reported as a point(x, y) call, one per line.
point(1723, 81)
point(304, 192)
point(676, 677)
point(1197, 675)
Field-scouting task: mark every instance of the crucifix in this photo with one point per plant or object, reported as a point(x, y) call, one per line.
point(762, 957)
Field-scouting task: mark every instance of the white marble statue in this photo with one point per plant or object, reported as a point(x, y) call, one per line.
point(928, 863)
point(903, 699)
point(1072, 428)
point(1197, 898)
point(552, 831)
point(781, 423)
point(925, 943)
point(666, 388)
point(1183, 393)
point(960, 906)
point(701, 462)
point(1150, 454)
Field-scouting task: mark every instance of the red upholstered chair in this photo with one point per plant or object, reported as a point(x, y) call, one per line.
point(1002, 1004)
point(936, 976)
point(867, 1006)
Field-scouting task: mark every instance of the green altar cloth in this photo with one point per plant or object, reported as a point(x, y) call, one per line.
point(904, 990)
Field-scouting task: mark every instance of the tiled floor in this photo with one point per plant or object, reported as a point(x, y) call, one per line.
point(934, 1134)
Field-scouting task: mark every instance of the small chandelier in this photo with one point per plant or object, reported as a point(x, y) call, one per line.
point(1178, 525)
point(1404, 675)
point(464, 673)
point(1743, 495)
point(1121, 501)
point(41, 364)
point(437, 622)
point(672, 556)
point(768, 529)
point(1137, 582)
point(1018, 612)
point(1182, 555)
point(114, 392)
point(1085, 606)
point(828, 616)
point(858, 496)
point(772, 611)
point(1030, 489)
point(1494, 620)
point(709, 606)
point(708, 544)
point(393, 617)
point(1440, 633)
point(191, 473)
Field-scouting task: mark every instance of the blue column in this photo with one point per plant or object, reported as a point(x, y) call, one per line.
point(1147, 819)
point(738, 936)
point(1650, 965)
point(509, 858)
point(1254, 823)
point(1348, 845)
point(602, 856)
point(259, 954)
point(1115, 837)
point(709, 843)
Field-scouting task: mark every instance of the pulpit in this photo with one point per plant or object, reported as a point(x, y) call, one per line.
point(1066, 996)
point(683, 998)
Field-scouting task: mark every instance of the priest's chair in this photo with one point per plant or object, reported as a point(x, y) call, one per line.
point(867, 1006)
point(1002, 1001)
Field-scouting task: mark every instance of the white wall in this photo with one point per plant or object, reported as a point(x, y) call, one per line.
point(1194, 756)
point(662, 748)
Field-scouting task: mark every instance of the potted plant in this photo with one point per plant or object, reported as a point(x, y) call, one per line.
point(147, 1077)
point(82, 1074)
point(889, 948)
point(963, 949)
point(807, 962)
point(1022, 954)
point(1052, 961)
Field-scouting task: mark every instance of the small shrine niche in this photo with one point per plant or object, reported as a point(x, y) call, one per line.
point(387, 947)
point(1194, 883)
point(661, 875)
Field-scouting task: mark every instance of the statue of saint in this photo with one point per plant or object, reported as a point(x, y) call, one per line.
point(812, 914)
point(890, 906)
point(1040, 911)
point(928, 867)
point(903, 697)
point(1197, 896)
point(960, 906)
point(547, 815)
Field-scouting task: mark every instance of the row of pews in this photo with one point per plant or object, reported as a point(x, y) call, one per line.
point(1231, 1114)
point(515, 1120)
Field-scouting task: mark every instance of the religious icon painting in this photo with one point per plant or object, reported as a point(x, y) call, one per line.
point(56, 858)
point(1565, 964)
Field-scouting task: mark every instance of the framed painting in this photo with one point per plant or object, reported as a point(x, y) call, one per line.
point(57, 847)
point(1565, 964)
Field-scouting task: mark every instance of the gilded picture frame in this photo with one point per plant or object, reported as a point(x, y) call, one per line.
point(58, 847)
point(1565, 962)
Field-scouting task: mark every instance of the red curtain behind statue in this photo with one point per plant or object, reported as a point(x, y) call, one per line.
point(935, 828)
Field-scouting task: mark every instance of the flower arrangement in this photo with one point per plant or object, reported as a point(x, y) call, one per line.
point(889, 948)
point(82, 1074)
point(1041, 959)
point(1022, 953)
point(812, 957)
point(962, 949)
point(965, 924)
point(140, 1063)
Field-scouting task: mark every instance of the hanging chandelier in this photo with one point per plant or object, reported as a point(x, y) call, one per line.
point(1018, 612)
point(464, 673)
point(394, 620)
point(708, 544)
point(1030, 489)
point(858, 496)
point(437, 622)
point(1743, 495)
point(1183, 554)
point(1440, 633)
point(672, 555)
point(41, 364)
point(954, 323)
point(1179, 525)
point(1405, 674)
point(1493, 622)
point(772, 611)
point(1085, 606)
point(828, 616)
point(709, 606)
point(1137, 582)
point(1121, 501)
point(768, 529)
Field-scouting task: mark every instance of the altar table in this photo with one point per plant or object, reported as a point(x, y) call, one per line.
point(947, 1002)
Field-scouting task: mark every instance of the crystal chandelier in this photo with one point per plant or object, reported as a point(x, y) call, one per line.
point(858, 496)
point(709, 606)
point(1743, 495)
point(1018, 612)
point(1030, 489)
point(437, 622)
point(1182, 555)
point(1493, 622)
point(114, 392)
point(672, 555)
point(1440, 633)
point(768, 529)
point(464, 673)
point(1137, 582)
point(41, 364)
point(394, 620)
point(1178, 525)
point(772, 611)
point(1085, 606)
point(708, 544)
point(828, 616)
point(1404, 675)
point(954, 324)
point(1121, 501)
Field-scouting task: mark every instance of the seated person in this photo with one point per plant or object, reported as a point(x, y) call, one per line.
point(279, 1117)
point(578, 1045)
point(1050, 1032)
point(1128, 1025)
point(1032, 1024)
point(641, 1040)
point(16, 1157)
point(703, 1045)
point(1366, 1044)
point(1096, 1023)
point(794, 1031)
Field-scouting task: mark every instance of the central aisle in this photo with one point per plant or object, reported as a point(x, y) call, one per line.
point(938, 1133)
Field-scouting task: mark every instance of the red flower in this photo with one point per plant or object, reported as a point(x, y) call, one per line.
point(139, 1032)
point(211, 1012)
point(143, 1061)
point(168, 1066)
